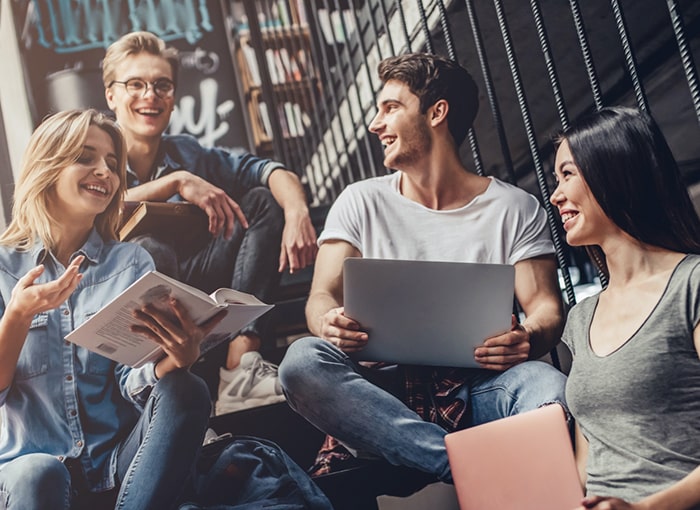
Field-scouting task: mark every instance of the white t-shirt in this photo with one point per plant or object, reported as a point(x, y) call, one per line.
point(503, 225)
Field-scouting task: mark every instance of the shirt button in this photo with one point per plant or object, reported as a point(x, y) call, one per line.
point(72, 412)
point(69, 378)
point(66, 312)
point(78, 443)
point(61, 457)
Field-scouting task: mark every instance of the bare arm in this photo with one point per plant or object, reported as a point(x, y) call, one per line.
point(537, 291)
point(28, 299)
point(324, 309)
point(157, 190)
point(298, 248)
point(581, 454)
point(682, 495)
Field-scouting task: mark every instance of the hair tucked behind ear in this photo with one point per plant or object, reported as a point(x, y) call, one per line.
point(54, 145)
point(630, 170)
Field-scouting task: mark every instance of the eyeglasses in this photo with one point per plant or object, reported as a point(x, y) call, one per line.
point(136, 87)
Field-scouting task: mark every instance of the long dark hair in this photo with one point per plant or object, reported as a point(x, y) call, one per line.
point(630, 169)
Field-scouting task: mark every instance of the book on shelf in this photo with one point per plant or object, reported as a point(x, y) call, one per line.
point(301, 118)
point(305, 63)
point(182, 220)
point(283, 13)
point(292, 125)
point(284, 74)
point(108, 332)
point(265, 119)
point(300, 11)
point(294, 69)
point(337, 26)
point(252, 63)
point(272, 67)
point(286, 64)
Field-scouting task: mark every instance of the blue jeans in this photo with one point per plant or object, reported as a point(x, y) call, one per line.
point(247, 262)
point(153, 463)
point(359, 406)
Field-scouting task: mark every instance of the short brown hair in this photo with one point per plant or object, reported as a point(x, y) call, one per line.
point(133, 44)
point(431, 78)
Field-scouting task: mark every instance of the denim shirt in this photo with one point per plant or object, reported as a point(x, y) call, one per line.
point(65, 400)
point(235, 173)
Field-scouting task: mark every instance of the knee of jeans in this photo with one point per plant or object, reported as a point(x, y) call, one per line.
point(186, 390)
point(544, 383)
point(161, 252)
point(259, 203)
point(37, 477)
point(301, 361)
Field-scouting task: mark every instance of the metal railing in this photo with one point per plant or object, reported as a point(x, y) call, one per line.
point(536, 68)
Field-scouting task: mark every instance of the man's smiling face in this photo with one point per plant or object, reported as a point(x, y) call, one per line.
point(145, 116)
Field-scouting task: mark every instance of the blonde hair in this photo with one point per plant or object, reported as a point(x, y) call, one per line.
point(56, 144)
point(133, 44)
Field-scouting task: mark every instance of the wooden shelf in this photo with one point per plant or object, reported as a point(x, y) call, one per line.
point(275, 68)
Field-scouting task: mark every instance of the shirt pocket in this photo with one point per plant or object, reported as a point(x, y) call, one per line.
point(96, 364)
point(34, 357)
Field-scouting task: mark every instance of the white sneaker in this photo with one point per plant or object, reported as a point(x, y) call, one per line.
point(253, 383)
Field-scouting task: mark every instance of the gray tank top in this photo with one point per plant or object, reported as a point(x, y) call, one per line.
point(639, 407)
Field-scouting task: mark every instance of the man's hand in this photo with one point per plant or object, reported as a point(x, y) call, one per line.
point(342, 331)
point(222, 210)
point(179, 336)
point(506, 350)
point(298, 248)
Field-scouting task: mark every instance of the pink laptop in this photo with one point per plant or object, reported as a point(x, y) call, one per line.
point(521, 462)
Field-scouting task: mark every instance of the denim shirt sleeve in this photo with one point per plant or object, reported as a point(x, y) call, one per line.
point(234, 172)
point(136, 383)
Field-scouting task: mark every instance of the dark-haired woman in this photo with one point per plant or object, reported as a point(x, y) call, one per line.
point(634, 385)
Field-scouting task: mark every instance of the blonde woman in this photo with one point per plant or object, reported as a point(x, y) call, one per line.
point(79, 430)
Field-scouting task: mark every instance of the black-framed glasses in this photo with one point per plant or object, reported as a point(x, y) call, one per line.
point(136, 87)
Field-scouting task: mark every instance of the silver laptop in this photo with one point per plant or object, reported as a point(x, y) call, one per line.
point(427, 313)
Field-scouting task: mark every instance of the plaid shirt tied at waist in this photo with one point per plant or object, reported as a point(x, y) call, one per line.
point(429, 391)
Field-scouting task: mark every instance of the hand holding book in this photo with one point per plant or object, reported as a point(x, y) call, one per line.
point(109, 332)
point(169, 325)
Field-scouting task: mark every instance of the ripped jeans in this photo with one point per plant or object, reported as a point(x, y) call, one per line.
point(349, 402)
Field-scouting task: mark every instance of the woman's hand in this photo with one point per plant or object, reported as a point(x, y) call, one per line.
point(29, 298)
point(605, 503)
point(177, 334)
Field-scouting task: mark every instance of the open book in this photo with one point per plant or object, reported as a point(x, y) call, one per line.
point(108, 331)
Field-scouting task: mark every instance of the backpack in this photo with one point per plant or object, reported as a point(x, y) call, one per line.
point(250, 473)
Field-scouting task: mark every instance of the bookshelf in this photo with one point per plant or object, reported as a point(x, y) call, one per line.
point(278, 80)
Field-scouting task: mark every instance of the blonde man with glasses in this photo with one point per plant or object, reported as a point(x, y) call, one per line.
point(259, 222)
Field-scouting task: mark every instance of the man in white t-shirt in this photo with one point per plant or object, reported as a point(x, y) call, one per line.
point(431, 208)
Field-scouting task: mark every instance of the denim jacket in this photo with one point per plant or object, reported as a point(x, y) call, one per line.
point(65, 400)
point(235, 173)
